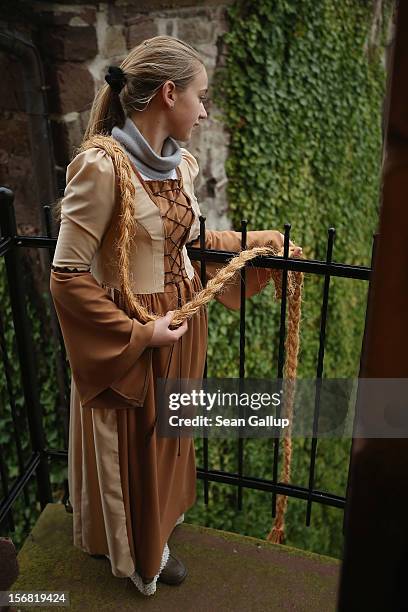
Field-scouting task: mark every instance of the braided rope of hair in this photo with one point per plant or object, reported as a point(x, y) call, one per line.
point(277, 533)
point(127, 228)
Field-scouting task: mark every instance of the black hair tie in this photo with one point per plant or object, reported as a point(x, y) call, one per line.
point(116, 78)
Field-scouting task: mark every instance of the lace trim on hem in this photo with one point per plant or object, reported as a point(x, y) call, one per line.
point(150, 587)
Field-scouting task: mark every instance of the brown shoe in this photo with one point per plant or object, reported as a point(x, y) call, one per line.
point(173, 572)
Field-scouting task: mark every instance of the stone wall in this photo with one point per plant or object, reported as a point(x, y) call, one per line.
point(16, 170)
point(77, 42)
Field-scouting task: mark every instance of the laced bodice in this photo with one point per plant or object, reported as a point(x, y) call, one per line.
point(177, 217)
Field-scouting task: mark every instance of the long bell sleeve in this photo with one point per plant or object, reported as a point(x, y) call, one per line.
point(107, 350)
point(229, 240)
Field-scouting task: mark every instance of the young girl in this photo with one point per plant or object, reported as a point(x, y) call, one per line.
point(129, 487)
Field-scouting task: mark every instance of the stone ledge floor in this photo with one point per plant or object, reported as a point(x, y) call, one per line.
point(226, 572)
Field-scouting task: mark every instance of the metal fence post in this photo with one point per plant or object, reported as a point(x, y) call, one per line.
point(25, 347)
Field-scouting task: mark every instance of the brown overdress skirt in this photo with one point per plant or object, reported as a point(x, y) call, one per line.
point(128, 489)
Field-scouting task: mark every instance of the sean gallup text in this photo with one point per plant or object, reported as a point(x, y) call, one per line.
point(220, 421)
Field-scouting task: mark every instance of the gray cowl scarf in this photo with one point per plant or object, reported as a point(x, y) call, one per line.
point(146, 160)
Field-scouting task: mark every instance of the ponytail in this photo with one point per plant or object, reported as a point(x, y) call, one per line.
point(106, 112)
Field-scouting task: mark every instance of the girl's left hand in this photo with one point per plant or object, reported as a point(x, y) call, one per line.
point(297, 249)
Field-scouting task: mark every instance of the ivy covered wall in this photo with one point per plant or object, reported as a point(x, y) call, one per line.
point(301, 94)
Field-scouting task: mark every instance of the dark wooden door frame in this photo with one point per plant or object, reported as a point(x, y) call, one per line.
point(374, 573)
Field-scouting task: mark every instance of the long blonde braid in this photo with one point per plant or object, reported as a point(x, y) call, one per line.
point(132, 306)
point(277, 533)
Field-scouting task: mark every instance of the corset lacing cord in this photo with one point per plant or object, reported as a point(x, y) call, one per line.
point(180, 352)
point(174, 254)
point(150, 433)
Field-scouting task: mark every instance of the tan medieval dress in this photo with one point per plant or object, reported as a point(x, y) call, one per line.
point(128, 486)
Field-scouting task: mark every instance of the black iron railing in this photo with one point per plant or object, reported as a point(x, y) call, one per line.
point(37, 465)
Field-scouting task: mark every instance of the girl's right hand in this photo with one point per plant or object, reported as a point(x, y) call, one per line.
point(162, 335)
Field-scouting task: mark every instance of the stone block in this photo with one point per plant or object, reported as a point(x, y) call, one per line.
point(196, 30)
point(227, 571)
point(72, 88)
point(67, 136)
point(139, 28)
point(68, 43)
point(75, 134)
point(155, 5)
point(114, 43)
point(80, 15)
point(117, 15)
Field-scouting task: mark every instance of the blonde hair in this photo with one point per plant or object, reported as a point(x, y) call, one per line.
point(147, 67)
